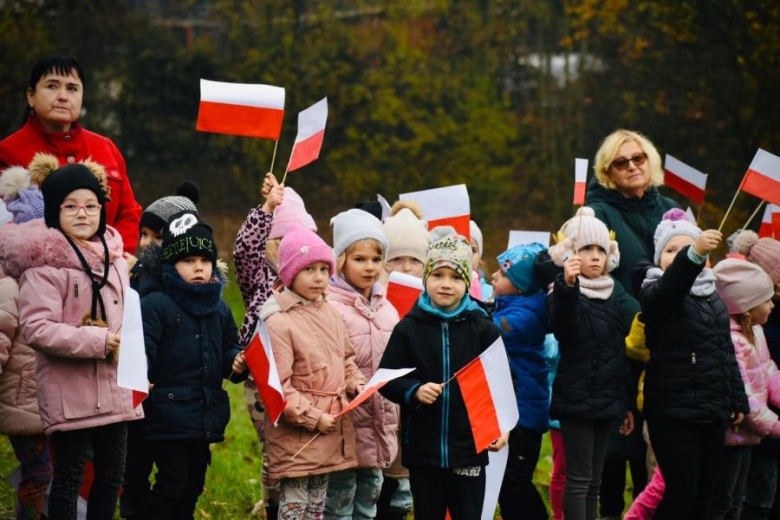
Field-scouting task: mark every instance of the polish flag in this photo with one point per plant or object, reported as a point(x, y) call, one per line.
point(771, 212)
point(260, 360)
point(776, 226)
point(311, 130)
point(684, 179)
point(489, 396)
point(403, 291)
point(763, 177)
point(448, 206)
point(241, 109)
point(380, 378)
point(132, 369)
point(580, 176)
point(523, 238)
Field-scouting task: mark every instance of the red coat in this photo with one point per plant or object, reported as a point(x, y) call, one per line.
point(123, 212)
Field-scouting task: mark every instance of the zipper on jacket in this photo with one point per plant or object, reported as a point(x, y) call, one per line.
point(693, 358)
point(76, 288)
point(445, 401)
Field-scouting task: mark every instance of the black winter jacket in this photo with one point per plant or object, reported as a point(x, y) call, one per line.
point(191, 342)
point(692, 374)
point(592, 380)
point(438, 435)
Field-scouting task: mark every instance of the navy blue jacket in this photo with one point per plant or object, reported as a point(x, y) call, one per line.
point(438, 435)
point(522, 321)
point(191, 341)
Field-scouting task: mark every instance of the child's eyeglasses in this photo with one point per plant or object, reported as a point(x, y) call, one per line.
point(622, 163)
point(71, 210)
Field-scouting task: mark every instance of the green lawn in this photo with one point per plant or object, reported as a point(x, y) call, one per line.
point(233, 480)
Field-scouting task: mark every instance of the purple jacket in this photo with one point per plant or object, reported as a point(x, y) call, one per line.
point(77, 386)
point(369, 325)
point(762, 385)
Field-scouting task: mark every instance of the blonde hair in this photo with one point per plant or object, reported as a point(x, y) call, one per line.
point(272, 249)
point(342, 259)
point(609, 148)
point(746, 324)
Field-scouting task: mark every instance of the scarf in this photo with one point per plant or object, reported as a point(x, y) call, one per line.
point(597, 288)
point(196, 299)
point(466, 304)
point(703, 285)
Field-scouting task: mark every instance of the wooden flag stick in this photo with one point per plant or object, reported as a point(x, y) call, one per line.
point(753, 215)
point(728, 210)
point(698, 213)
point(284, 178)
point(273, 158)
point(306, 445)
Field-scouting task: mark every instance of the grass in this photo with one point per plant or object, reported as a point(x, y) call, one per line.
point(233, 480)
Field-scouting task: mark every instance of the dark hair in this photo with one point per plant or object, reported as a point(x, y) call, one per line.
point(63, 64)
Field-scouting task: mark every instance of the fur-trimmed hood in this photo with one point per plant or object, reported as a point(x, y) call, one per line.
point(32, 244)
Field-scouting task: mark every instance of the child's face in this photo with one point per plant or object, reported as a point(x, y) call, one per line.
point(148, 237)
point(446, 288)
point(363, 265)
point(594, 258)
point(502, 285)
point(760, 315)
point(312, 280)
point(80, 214)
point(475, 256)
point(674, 246)
point(407, 265)
point(195, 269)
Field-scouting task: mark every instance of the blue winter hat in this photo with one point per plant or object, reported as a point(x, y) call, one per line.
point(518, 265)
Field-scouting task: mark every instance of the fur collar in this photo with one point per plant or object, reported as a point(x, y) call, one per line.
point(32, 244)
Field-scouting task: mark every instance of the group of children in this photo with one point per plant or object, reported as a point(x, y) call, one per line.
point(709, 379)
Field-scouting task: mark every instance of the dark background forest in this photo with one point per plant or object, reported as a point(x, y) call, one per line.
point(500, 95)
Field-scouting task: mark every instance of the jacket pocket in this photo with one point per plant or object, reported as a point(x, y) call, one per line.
point(25, 392)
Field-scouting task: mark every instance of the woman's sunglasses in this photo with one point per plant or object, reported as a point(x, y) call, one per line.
point(622, 163)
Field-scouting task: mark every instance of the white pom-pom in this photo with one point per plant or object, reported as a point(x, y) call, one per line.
point(585, 211)
point(13, 180)
point(745, 242)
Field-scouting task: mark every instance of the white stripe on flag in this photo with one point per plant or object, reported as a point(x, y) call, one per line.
point(580, 170)
point(522, 238)
point(441, 203)
point(253, 95)
point(495, 363)
point(685, 172)
point(767, 164)
point(312, 120)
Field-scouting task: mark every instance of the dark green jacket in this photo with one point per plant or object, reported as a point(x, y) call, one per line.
point(633, 221)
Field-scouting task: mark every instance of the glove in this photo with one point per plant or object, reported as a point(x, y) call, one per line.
point(635, 341)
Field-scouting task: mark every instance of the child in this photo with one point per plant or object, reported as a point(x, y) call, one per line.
point(692, 383)
point(71, 299)
point(191, 346)
point(20, 418)
point(360, 244)
point(135, 489)
point(475, 241)
point(443, 332)
point(408, 239)
point(256, 257)
point(590, 389)
point(317, 369)
point(747, 291)
point(521, 315)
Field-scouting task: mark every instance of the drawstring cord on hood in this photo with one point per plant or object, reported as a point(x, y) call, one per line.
point(97, 282)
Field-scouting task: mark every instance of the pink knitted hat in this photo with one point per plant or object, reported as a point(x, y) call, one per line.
point(291, 211)
point(762, 251)
point(301, 247)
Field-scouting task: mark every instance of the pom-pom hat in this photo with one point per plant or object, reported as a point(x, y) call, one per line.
point(762, 251)
point(675, 222)
point(159, 212)
point(300, 248)
point(742, 285)
point(583, 230)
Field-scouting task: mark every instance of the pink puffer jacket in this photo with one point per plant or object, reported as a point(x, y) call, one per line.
point(76, 384)
point(18, 399)
point(369, 325)
point(762, 385)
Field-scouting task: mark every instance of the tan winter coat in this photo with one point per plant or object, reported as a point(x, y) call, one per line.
point(316, 364)
point(19, 413)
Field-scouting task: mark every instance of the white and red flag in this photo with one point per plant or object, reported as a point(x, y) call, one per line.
point(311, 131)
point(132, 370)
point(448, 206)
point(763, 177)
point(489, 396)
point(580, 178)
point(380, 378)
point(766, 227)
point(260, 360)
point(403, 290)
point(241, 109)
point(684, 179)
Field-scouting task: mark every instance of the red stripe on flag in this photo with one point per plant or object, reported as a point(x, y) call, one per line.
point(579, 193)
point(765, 230)
point(776, 226)
point(362, 399)
point(402, 297)
point(479, 404)
point(761, 186)
point(89, 478)
point(138, 398)
point(260, 368)
point(306, 151)
point(680, 185)
point(461, 224)
point(222, 118)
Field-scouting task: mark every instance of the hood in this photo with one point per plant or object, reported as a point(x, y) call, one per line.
point(32, 244)
point(284, 300)
point(598, 193)
point(149, 269)
point(339, 290)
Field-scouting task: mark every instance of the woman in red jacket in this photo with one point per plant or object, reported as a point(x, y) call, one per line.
point(54, 96)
